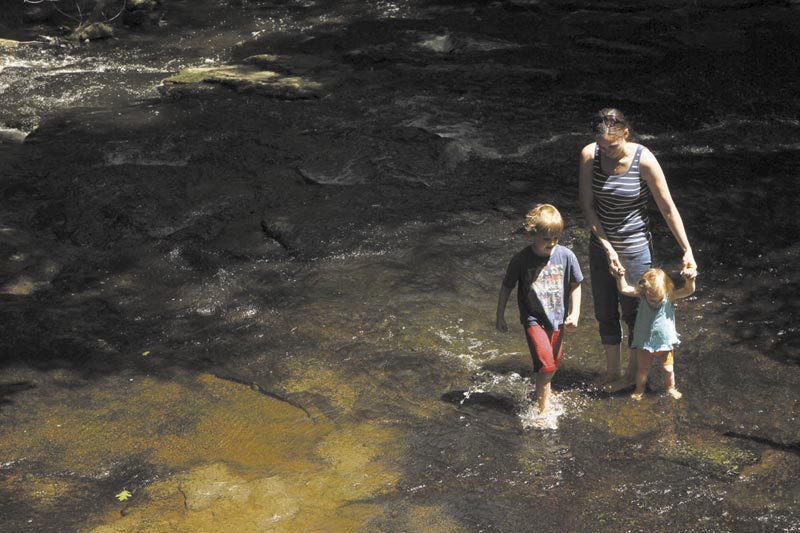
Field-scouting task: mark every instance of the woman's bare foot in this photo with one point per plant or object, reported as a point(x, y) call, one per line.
point(637, 396)
point(674, 393)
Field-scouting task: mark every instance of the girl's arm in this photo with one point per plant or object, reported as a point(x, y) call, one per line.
point(651, 172)
point(624, 287)
point(571, 320)
point(587, 205)
point(687, 289)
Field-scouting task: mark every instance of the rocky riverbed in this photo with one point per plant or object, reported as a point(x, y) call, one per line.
point(251, 252)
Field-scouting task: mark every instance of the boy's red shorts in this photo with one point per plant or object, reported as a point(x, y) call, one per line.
point(545, 347)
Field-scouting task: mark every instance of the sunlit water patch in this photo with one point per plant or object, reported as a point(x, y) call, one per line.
point(40, 82)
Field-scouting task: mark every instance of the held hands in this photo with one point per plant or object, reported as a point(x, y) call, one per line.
point(619, 273)
point(614, 264)
point(689, 270)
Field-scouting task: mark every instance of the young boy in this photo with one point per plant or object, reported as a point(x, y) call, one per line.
point(548, 280)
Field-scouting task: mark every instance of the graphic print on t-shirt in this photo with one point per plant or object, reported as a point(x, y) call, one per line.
point(549, 288)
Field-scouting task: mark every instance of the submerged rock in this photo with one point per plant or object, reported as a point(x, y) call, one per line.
point(8, 44)
point(92, 32)
point(242, 78)
point(11, 135)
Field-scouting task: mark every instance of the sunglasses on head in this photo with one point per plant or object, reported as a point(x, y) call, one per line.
point(608, 124)
point(611, 120)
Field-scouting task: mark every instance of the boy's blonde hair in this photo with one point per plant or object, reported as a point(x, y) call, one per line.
point(544, 217)
point(657, 281)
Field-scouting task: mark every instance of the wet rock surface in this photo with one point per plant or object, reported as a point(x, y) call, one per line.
point(266, 299)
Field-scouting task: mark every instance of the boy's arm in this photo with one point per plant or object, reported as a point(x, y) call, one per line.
point(571, 321)
point(688, 287)
point(502, 300)
point(623, 287)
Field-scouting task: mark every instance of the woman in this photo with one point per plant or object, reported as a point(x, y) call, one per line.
point(617, 178)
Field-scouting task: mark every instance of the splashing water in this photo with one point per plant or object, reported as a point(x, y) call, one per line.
point(531, 419)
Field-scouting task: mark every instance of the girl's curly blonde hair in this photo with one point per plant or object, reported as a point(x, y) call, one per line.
point(658, 283)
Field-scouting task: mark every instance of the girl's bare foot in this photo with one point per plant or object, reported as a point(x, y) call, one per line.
point(674, 393)
point(637, 396)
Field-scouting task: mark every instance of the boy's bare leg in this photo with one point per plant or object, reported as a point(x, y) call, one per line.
point(613, 357)
point(669, 379)
point(643, 358)
point(543, 380)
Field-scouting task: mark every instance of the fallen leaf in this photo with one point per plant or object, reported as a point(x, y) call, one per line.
point(124, 495)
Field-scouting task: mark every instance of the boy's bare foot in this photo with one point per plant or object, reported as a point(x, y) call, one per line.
point(540, 422)
point(637, 396)
point(674, 393)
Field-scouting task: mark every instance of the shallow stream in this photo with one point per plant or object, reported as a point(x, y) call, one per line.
point(259, 313)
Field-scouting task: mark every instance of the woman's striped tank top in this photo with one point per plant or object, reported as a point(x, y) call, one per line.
point(621, 204)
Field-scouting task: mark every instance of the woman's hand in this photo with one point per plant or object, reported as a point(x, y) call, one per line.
point(689, 265)
point(614, 264)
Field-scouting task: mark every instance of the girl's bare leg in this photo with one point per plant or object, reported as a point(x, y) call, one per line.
point(669, 379)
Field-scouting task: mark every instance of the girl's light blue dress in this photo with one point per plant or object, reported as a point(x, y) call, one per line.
point(654, 330)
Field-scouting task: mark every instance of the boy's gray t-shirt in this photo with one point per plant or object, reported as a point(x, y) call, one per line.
point(543, 285)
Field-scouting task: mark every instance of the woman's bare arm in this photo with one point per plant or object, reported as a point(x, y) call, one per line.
point(651, 172)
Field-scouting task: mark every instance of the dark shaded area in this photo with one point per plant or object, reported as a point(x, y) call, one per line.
point(9, 389)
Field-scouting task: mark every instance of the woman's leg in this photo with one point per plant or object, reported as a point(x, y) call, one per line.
point(606, 311)
point(644, 360)
point(635, 266)
point(613, 363)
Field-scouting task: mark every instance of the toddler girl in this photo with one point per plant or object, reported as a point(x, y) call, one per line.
point(654, 333)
